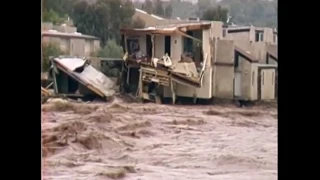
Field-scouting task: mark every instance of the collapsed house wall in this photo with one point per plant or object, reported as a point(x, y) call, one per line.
point(67, 85)
point(205, 92)
point(77, 76)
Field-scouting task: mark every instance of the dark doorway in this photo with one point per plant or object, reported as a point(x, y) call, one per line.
point(122, 43)
point(188, 43)
point(149, 46)
point(167, 45)
point(72, 85)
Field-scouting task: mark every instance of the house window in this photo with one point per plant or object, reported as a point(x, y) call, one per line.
point(259, 36)
point(275, 38)
point(133, 45)
point(252, 78)
point(262, 78)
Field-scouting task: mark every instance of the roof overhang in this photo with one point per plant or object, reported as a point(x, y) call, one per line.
point(166, 29)
point(68, 35)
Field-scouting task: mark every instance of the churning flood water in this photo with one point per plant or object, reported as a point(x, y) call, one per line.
point(158, 142)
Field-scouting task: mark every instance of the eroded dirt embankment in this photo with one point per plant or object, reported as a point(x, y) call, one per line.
point(149, 141)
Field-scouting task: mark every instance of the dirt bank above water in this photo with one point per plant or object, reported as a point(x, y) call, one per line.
point(153, 142)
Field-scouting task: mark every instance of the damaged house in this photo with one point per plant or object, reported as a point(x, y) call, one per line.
point(76, 77)
point(192, 60)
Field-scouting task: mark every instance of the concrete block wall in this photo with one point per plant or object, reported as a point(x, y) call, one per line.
point(223, 71)
point(249, 81)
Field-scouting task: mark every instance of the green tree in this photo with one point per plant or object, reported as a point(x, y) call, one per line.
point(52, 16)
point(103, 18)
point(128, 11)
point(137, 4)
point(147, 6)
point(158, 8)
point(48, 50)
point(168, 11)
point(217, 13)
point(203, 6)
point(183, 9)
point(110, 50)
point(61, 7)
point(138, 23)
point(252, 12)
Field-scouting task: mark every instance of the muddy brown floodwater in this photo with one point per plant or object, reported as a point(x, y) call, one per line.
point(154, 142)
